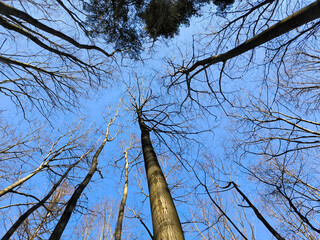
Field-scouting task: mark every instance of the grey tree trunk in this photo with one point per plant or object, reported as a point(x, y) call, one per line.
point(165, 219)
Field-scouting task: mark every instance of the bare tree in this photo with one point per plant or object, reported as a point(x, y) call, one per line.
point(38, 223)
point(300, 82)
point(42, 64)
point(165, 219)
point(128, 163)
point(25, 215)
point(62, 223)
point(246, 27)
point(38, 156)
point(49, 161)
point(279, 148)
point(228, 203)
point(210, 217)
point(97, 223)
point(305, 15)
point(51, 212)
point(269, 45)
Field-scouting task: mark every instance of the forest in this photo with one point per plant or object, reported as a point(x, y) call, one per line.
point(159, 119)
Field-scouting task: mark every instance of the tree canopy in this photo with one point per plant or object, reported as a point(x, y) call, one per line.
point(203, 132)
point(127, 23)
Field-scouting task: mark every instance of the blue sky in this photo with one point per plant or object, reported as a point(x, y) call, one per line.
point(236, 83)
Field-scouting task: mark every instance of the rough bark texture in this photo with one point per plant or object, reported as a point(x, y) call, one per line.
point(165, 220)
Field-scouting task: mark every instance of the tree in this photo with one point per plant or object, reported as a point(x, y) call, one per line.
point(52, 211)
point(37, 156)
point(192, 68)
point(57, 232)
point(165, 219)
point(97, 223)
point(51, 70)
point(63, 157)
point(284, 143)
point(228, 137)
point(25, 215)
point(305, 15)
point(273, 134)
point(120, 22)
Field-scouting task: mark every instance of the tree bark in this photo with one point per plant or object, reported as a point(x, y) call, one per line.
point(165, 219)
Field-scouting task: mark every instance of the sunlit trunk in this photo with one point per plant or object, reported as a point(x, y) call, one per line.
point(24, 216)
point(165, 220)
point(118, 231)
point(61, 225)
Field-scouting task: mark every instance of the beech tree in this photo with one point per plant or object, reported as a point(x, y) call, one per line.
point(55, 201)
point(227, 113)
point(273, 134)
point(36, 156)
point(165, 220)
point(128, 164)
point(187, 71)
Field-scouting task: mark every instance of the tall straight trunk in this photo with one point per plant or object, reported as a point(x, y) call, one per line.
point(61, 225)
point(165, 219)
point(303, 16)
point(118, 231)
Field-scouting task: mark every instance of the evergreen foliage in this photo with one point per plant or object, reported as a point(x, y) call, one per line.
point(127, 23)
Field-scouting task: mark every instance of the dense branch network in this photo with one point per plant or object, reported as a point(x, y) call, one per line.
point(51, 69)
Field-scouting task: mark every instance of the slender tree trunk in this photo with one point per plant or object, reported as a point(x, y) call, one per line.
point(45, 163)
point(303, 16)
point(258, 214)
point(118, 231)
point(57, 232)
point(34, 235)
point(22, 180)
point(165, 219)
point(24, 216)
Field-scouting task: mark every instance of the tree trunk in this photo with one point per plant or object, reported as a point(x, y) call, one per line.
point(57, 232)
point(118, 231)
point(23, 180)
point(258, 214)
point(24, 216)
point(165, 220)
